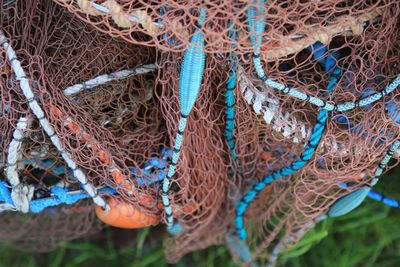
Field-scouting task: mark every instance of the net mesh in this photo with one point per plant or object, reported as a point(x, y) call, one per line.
point(122, 123)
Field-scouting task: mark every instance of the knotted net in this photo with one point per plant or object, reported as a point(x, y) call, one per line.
point(110, 128)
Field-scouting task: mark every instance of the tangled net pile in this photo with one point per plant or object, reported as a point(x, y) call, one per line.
point(100, 102)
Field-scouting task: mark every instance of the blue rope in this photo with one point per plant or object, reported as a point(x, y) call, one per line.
point(230, 96)
point(256, 27)
point(189, 86)
point(5, 195)
point(316, 135)
point(153, 170)
point(61, 196)
point(391, 202)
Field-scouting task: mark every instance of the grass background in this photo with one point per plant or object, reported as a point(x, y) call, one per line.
point(368, 237)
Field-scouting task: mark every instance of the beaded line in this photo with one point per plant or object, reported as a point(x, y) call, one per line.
point(106, 78)
point(257, 26)
point(38, 112)
point(284, 123)
point(296, 165)
point(230, 97)
point(189, 86)
point(236, 246)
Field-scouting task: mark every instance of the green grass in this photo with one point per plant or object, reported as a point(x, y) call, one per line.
point(368, 237)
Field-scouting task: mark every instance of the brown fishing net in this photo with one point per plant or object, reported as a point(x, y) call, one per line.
point(118, 125)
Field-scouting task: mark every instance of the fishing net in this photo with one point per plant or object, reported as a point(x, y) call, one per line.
point(110, 126)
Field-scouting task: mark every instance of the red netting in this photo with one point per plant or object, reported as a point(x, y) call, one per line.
point(119, 125)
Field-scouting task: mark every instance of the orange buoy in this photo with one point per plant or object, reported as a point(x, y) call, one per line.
point(125, 215)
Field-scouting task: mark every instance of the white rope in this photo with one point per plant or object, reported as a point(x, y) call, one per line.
point(22, 195)
point(105, 78)
point(268, 107)
point(37, 110)
point(7, 207)
point(105, 10)
point(14, 152)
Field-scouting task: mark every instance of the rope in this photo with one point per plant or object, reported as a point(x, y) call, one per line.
point(391, 202)
point(120, 18)
point(14, 152)
point(106, 78)
point(60, 196)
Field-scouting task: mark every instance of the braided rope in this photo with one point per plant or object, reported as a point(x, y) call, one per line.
point(123, 20)
point(14, 152)
point(106, 78)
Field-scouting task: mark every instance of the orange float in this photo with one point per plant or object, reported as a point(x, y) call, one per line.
point(125, 215)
